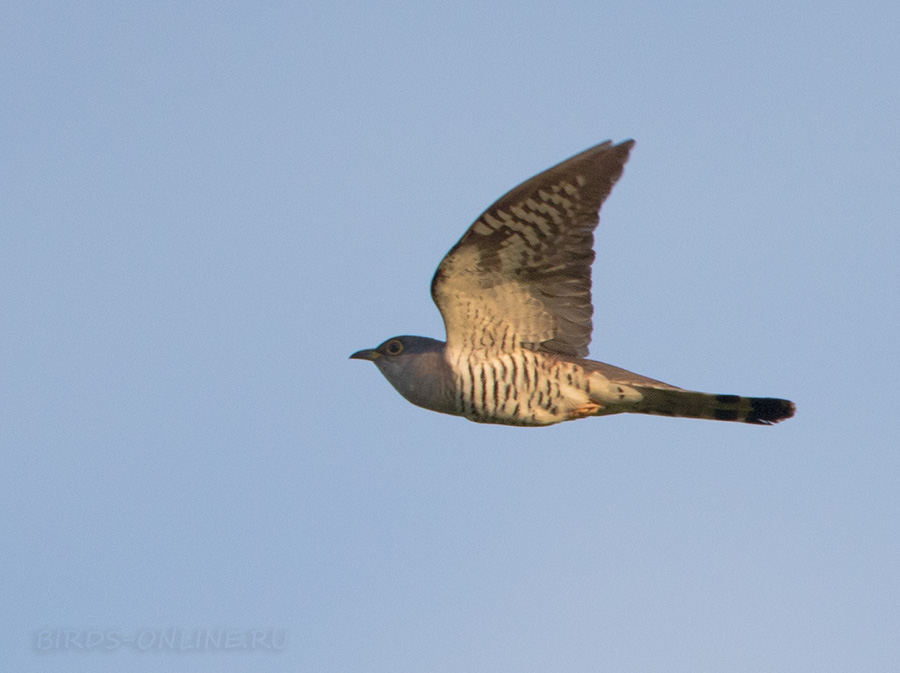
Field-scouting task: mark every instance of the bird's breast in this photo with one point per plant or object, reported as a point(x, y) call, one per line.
point(520, 387)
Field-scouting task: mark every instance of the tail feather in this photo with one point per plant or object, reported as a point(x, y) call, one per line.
point(690, 404)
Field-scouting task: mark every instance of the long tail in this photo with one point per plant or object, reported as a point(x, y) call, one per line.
point(690, 404)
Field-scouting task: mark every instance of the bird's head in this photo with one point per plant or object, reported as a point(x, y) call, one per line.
point(416, 367)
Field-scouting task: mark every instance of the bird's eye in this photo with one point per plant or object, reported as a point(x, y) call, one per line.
point(394, 347)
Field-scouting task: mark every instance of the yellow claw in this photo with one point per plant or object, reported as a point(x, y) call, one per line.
point(588, 409)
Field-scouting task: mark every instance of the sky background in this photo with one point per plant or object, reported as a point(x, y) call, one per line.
point(206, 207)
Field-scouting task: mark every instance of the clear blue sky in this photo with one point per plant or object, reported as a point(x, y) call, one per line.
point(206, 207)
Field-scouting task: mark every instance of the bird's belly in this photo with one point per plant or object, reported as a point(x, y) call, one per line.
point(519, 388)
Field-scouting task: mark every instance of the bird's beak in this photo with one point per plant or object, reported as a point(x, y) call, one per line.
point(366, 354)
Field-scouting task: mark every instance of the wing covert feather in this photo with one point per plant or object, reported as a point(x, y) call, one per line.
point(521, 274)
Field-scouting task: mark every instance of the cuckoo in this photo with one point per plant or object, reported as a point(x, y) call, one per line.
point(515, 296)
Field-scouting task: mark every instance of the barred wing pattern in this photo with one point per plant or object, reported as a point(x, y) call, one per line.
point(521, 275)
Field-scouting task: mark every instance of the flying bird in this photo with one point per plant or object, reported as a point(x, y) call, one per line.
point(515, 296)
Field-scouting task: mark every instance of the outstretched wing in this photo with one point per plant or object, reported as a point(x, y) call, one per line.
point(521, 274)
